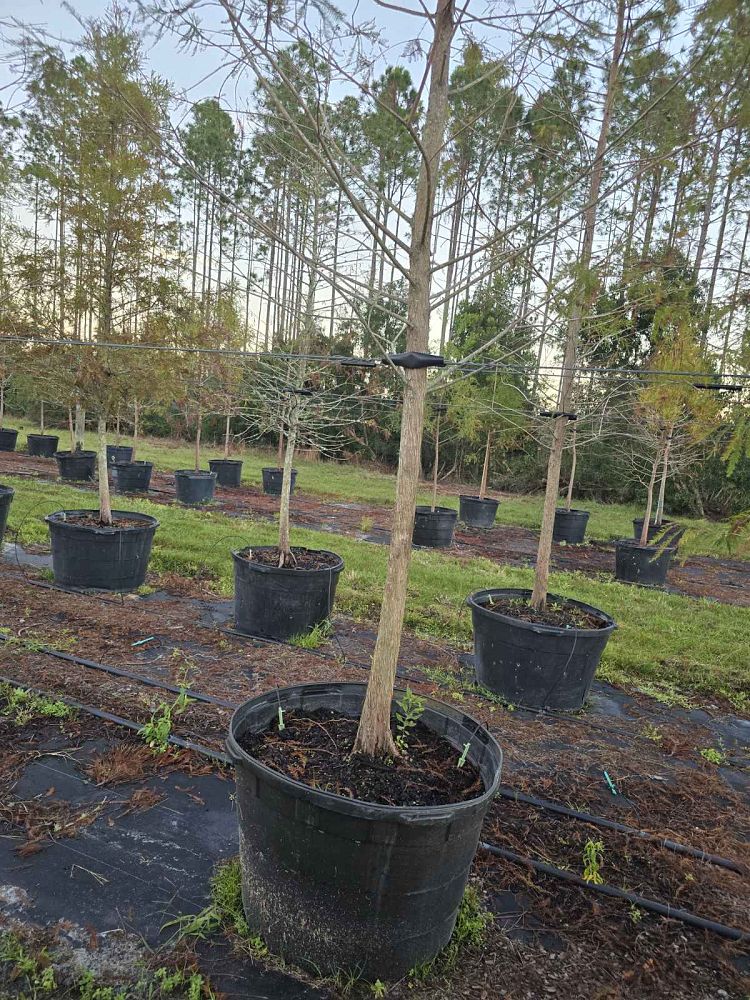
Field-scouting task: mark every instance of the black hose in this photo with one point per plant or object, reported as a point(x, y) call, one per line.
point(98, 713)
point(609, 890)
point(631, 831)
point(117, 672)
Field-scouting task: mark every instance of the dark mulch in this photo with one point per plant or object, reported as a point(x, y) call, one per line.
point(316, 748)
point(301, 558)
point(558, 615)
point(92, 520)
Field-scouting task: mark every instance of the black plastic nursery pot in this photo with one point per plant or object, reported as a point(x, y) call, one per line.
point(646, 565)
point(119, 453)
point(654, 530)
point(477, 513)
point(90, 555)
point(434, 528)
point(228, 471)
point(8, 439)
point(570, 526)
point(535, 665)
point(42, 445)
point(337, 884)
point(194, 487)
point(6, 498)
point(132, 477)
point(273, 478)
point(76, 465)
point(279, 603)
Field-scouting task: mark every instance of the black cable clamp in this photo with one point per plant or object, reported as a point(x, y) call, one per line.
point(558, 413)
point(414, 359)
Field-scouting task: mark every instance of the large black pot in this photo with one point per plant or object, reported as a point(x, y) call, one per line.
point(98, 557)
point(477, 513)
point(570, 526)
point(42, 445)
point(119, 453)
point(8, 439)
point(228, 471)
point(538, 666)
point(337, 884)
point(272, 480)
point(654, 530)
point(6, 498)
point(76, 465)
point(647, 565)
point(279, 603)
point(132, 477)
point(194, 487)
point(434, 528)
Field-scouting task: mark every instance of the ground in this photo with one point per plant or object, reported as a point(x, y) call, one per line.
point(103, 841)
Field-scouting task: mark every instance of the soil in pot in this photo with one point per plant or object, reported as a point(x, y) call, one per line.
point(570, 526)
point(316, 748)
point(6, 498)
point(280, 603)
point(86, 553)
point(539, 659)
point(8, 439)
point(434, 528)
point(646, 565)
point(119, 453)
point(76, 465)
point(384, 882)
point(228, 471)
point(272, 480)
point(132, 477)
point(477, 513)
point(194, 487)
point(42, 445)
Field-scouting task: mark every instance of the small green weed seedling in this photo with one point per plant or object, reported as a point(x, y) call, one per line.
point(378, 989)
point(411, 708)
point(593, 858)
point(315, 638)
point(23, 706)
point(157, 731)
point(714, 756)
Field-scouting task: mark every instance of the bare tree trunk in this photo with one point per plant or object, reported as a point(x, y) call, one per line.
point(136, 414)
point(280, 449)
point(72, 431)
point(643, 540)
point(105, 506)
point(374, 733)
point(573, 462)
point(435, 464)
point(659, 517)
point(80, 428)
point(582, 297)
point(486, 467)
point(226, 434)
point(41, 417)
point(198, 427)
point(285, 545)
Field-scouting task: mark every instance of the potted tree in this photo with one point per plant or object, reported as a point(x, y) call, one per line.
point(42, 445)
point(281, 591)
point(62, 382)
point(570, 524)
point(8, 358)
point(673, 417)
point(103, 549)
point(228, 470)
point(433, 525)
point(531, 647)
point(6, 498)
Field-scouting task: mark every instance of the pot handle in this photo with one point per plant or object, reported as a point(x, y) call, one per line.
point(231, 749)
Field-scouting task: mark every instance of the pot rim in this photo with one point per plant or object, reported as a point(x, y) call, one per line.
point(55, 437)
point(573, 510)
point(9, 430)
point(195, 473)
point(286, 570)
point(423, 509)
point(225, 461)
point(634, 543)
point(477, 499)
point(7, 491)
point(359, 807)
point(473, 601)
point(128, 465)
point(149, 522)
point(75, 454)
point(274, 468)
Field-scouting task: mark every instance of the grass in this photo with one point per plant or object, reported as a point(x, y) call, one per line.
point(350, 482)
point(675, 648)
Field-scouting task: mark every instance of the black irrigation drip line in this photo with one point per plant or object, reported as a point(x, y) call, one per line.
point(118, 672)
point(631, 831)
point(118, 720)
point(671, 912)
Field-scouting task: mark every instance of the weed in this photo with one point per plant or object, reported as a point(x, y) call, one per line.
point(315, 638)
point(365, 525)
point(652, 732)
point(636, 914)
point(593, 858)
point(411, 708)
point(378, 989)
point(36, 970)
point(156, 732)
point(470, 931)
point(714, 756)
point(145, 590)
point(22, 706)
